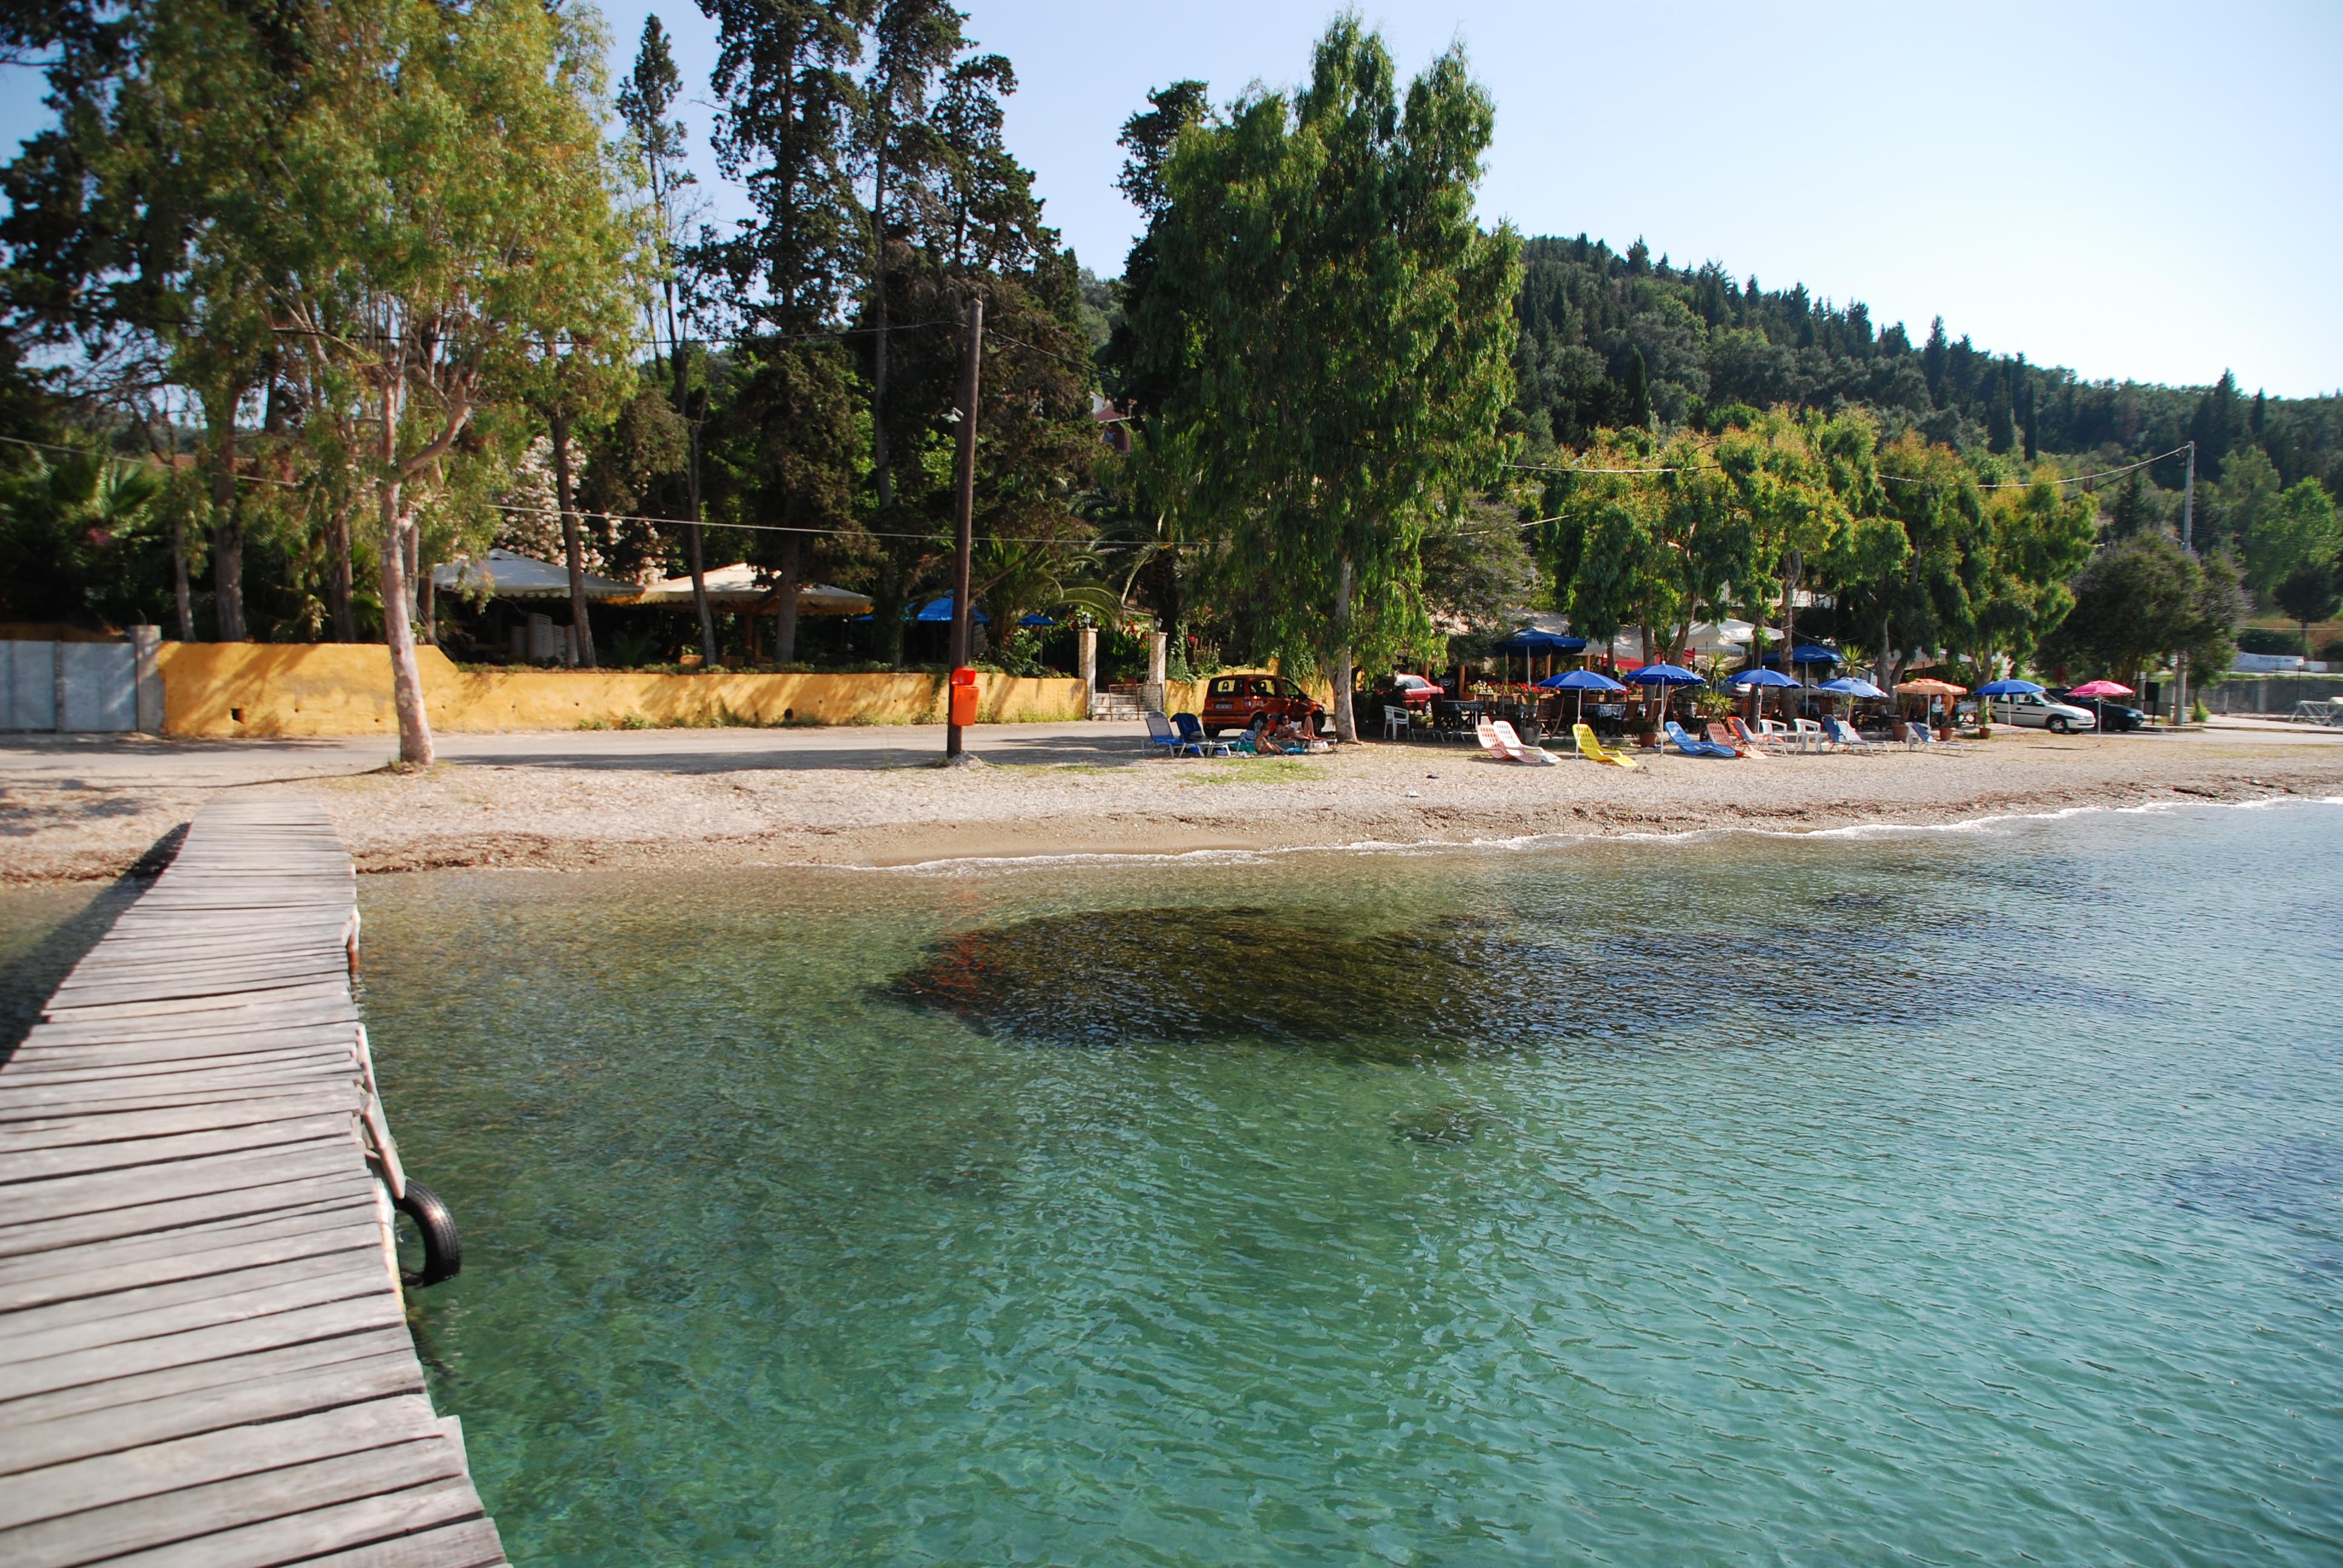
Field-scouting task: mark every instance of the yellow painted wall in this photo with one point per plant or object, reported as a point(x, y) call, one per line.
point(344, 689)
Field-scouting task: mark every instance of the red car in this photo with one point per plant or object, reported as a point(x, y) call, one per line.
point(1232, 702)
point(1415, 690)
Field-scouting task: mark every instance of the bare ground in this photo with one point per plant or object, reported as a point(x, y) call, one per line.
point(91, 809)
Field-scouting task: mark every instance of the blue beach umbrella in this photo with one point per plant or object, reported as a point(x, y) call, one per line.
point(1036, 618)
point(1761, 679)
point(1850, 687)
point(2004, 688)
point(1531, 639)
point(1581, 682)
point(1664, 676)
point(937, 609)
point(1814, 653)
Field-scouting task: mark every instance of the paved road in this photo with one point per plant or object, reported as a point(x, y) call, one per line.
point(103, 762)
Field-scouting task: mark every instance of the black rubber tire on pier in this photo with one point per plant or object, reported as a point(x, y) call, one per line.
point(443, 1245)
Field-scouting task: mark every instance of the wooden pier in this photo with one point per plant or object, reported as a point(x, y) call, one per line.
point(204, 1351)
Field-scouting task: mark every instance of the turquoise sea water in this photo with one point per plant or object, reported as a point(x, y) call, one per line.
point(1944, 1197)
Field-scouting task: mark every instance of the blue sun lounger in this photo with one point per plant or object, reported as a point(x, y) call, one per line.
point(1692, 748)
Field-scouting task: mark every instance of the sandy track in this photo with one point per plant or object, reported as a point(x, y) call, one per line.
point(90, 810)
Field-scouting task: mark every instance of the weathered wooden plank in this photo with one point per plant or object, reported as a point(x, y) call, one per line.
point(271, 1514)
point(202, 1253)
point(31, 1203)
point(471, 1544)
point(322, 1320)
point(285, 1285)
point(290, 1187)
point(84, 1485)
point(103, 1125)
point(197, 1007)
point(115, 1097)
point(206, 1396)
point(177, 1152)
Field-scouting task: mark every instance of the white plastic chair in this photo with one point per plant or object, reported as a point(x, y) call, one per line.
point(1394, 723)
point(1811, 737)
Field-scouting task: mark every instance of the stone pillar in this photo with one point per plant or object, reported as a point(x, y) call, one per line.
point(57, 679)
point(1086, 656)
point(146, 647)
point(1158, 653)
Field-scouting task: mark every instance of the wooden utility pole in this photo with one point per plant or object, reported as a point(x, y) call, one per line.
point(2188, 545)
point(964, 505)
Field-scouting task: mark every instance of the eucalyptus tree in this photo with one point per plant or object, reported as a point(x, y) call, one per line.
point(454, 211)
point(1329, 327)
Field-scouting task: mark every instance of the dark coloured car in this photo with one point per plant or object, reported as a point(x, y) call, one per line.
point(2115, 717)
point(1232, 701)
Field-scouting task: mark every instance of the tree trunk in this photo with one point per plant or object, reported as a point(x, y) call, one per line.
point(228, 533)
point(1346, 720)
point(1793, 566)
point(879, 459)
point(340, 587)
point(693, 554)
point(1887, 660)
point(405, 673)
point(181, 593)
point(785, 622)
point(573, 551)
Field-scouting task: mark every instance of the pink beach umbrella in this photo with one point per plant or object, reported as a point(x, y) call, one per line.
point(2099, 691)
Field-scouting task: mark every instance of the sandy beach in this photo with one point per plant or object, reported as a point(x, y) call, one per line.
point(80, 807)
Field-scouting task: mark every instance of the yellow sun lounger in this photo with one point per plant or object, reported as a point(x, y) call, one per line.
point(1592, 748)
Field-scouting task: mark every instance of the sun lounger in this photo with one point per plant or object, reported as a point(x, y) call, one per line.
point(1161, 733)
point(1522, 751)
point(1692, 748)
point(1761, 741)
point(1499, 740)
point(1193, 739)
point(1592, 748)
point(1718, 735)
point(1846, 735)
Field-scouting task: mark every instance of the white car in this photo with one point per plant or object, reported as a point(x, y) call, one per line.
point(2040, 713)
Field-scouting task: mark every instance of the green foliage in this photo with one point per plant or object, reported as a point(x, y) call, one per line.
point(2144, 599)
point(2310, 593)
point(1320, 325)
point(2298, 533)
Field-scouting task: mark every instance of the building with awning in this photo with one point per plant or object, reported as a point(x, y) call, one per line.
point(736, 590)
point(507, 574)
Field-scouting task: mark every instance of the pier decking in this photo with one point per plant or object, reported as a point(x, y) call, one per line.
point(203, 1354)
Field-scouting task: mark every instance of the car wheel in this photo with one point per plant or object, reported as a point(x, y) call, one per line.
point(2058, 726)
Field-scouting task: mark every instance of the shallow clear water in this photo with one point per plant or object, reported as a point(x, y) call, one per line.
point(1940, 1198)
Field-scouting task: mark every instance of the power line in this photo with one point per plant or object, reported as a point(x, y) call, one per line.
point(784, 527)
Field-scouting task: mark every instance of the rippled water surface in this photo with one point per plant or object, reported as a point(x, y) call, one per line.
point(1951, 1198)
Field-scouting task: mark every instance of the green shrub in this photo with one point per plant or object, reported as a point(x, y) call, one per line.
point(2262, 639)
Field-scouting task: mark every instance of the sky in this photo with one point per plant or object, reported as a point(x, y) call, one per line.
point(2146, 190)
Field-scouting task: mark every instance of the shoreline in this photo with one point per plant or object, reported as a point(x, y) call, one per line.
point(873, 801)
